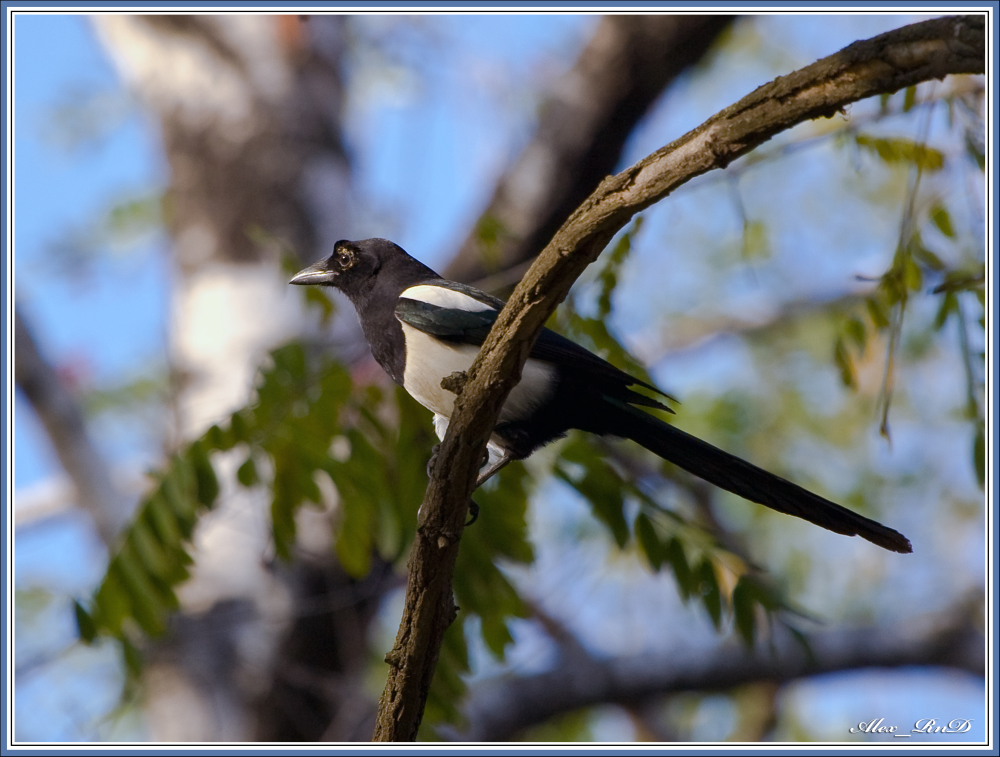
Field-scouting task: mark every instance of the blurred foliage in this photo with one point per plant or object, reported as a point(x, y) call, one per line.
point(307, 422)
point(930, 252)
point(628, 501)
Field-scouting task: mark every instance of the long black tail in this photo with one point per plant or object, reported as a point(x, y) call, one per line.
point(747, 480)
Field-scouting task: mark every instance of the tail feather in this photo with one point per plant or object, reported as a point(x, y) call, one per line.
point(747, 480)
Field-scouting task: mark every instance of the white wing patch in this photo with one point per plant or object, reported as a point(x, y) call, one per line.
point(445, 298)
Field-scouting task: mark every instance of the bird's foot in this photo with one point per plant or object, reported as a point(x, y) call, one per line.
point(433, 457)
point(473, 512)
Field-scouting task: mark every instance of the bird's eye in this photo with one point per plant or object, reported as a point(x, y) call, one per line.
point(345, 259)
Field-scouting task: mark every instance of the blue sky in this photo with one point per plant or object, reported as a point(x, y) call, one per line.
point(66, 182)
point(68, 177)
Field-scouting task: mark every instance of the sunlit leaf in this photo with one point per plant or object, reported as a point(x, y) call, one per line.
point(845, 363)
point(902, 150)
point(877, 312)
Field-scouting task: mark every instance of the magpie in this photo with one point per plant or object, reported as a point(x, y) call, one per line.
point(422, 328)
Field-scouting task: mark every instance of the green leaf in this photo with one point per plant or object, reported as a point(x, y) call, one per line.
point(246, 474)
point(239, 428)
point(496, 626)
point(686, 580)
point(877, 312)
point(219, 438)
point(448, 687)
point(132, 657)
point(948, 307)
point(145, 605)
point(928, 258)
point(111, 604)
point(600, 488)
point(745, 611)
point(649, 541)
point(941, 218)
point(284, 503)
point(491, 232)
point(143, 541)
point(756, 240)
point(613, 261)
point(902, 150)
point(711, 595)
point(177, 494)
point(160, 516)
point(86, 626)
point(854, 329)
point(845, 363)
point(913, 275)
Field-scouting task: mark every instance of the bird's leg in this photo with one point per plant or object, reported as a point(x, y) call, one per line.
point(432, 458)
point(480, 480)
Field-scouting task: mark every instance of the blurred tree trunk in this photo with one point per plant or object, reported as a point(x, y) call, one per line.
point(586, 117)
point(249, 110)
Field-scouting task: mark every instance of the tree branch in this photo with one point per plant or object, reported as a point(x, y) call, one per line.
point(886, 63)
point(499, 709)
point(66, 428)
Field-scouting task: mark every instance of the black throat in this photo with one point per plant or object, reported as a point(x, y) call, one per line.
point(376, 307)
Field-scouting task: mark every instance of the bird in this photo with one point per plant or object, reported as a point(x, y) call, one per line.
point(423, 328)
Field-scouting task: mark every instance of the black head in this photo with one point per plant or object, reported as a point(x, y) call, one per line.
point(355, 267)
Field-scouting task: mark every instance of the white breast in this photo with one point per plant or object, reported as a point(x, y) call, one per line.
point(429, 360)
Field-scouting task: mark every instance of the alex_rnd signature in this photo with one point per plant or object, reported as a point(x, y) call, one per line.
point(921, 726)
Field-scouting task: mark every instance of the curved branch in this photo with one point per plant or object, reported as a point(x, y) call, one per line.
point(886, 63)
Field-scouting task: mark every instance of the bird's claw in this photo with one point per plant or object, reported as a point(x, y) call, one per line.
point(433, 457)
point(473, 512)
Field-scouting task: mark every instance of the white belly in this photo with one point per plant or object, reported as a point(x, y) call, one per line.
point(428, 360)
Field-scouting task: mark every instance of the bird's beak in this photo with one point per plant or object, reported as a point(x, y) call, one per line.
point(317, 273)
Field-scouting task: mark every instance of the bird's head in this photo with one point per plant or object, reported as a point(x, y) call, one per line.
point(350, 264)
